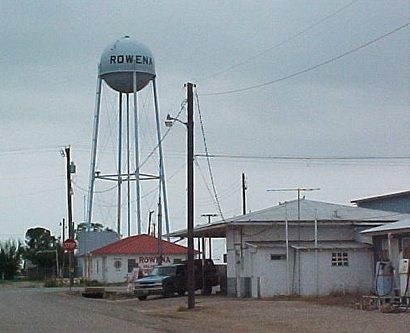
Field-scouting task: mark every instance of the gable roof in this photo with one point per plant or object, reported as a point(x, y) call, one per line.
point(140, 244)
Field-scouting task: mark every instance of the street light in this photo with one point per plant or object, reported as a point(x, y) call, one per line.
point(190, 192)
point(169, 121)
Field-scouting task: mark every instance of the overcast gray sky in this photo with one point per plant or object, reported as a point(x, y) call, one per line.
point(355, 106)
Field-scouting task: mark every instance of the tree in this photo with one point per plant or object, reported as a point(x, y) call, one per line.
point(10, 259)
point(39, 246)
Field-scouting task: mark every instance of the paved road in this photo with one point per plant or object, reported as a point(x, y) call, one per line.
point(47, 310)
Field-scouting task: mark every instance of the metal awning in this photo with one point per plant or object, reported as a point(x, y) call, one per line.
point(310, 245)
point(213, 230)
point(399, 227)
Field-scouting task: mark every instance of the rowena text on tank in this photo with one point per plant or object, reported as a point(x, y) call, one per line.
point(130, 59)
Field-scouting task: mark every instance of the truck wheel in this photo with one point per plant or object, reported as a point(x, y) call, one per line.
point(207, 290)
point(181, 292)
point(142, 298)
point(168, 290)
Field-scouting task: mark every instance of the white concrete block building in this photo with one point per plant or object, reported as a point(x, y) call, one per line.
point(298, 248)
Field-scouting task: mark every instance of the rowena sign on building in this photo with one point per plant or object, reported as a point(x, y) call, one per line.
point(114, 262)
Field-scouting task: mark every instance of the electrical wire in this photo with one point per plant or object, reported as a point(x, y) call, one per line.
point(304, 158)
point(205, 183)
point(283, 42)
point(87, 191)
point(309, 69)
point(207, 159)
point(164, 136)
point(33, 150)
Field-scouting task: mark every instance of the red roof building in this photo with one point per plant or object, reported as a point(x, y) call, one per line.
point(117, 261)
point(138, 244)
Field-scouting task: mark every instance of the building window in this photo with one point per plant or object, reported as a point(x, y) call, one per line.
point(340, 259)
point(132, 263)
point(278, 257)
point(98, 266)
point(117, 264)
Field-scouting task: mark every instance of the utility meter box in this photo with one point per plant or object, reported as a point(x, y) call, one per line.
point(404, 277)
point(404, 266)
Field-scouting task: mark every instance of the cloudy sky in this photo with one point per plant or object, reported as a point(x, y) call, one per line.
point(355, 106)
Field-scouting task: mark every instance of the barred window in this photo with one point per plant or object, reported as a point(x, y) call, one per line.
point(340, 259)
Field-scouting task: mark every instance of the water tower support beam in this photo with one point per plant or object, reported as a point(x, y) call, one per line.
point(128, 169)
point(137, 154)
point(161, 157)
point(93, 153)
point(119, 164)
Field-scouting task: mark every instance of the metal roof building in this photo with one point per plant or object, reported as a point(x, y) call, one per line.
point(402, 226)
point(308, 210)
point(300, 247)
point(395, 202)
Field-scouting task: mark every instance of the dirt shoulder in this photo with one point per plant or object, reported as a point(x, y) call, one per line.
point(222, 314)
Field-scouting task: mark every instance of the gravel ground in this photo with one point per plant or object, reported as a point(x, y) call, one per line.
point(221, 314)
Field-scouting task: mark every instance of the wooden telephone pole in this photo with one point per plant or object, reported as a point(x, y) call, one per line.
point(70, 168)
point(244, 188)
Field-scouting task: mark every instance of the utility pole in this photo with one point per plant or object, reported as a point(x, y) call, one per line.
point(244, 188)
point(159, 233)
point(63, 229)
point(70, 168)
point(150, 221)
point(209, 216)
point(190, 194)
point(62, 244)
point(190, 189)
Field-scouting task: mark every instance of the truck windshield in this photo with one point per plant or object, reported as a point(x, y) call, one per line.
point(164, 270)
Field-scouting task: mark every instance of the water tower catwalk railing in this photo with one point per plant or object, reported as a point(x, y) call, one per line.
point(127, 67)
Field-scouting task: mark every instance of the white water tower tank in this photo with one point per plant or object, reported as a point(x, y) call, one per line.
point(121, 59)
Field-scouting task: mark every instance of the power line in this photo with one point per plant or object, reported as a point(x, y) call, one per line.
point(44, 149)
point(305, 158)
point(309, 69)
point(287, 40)
point(164, 136)
point(207, 153)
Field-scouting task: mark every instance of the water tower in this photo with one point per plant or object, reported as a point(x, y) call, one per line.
point(127, 67)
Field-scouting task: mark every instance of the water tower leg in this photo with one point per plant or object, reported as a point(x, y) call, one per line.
point(93, 153)
point(161, 158)
point(119, 179)
point(137, 156)
point(128, 168)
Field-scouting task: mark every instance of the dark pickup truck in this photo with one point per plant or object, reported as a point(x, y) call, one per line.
point(167, 280)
